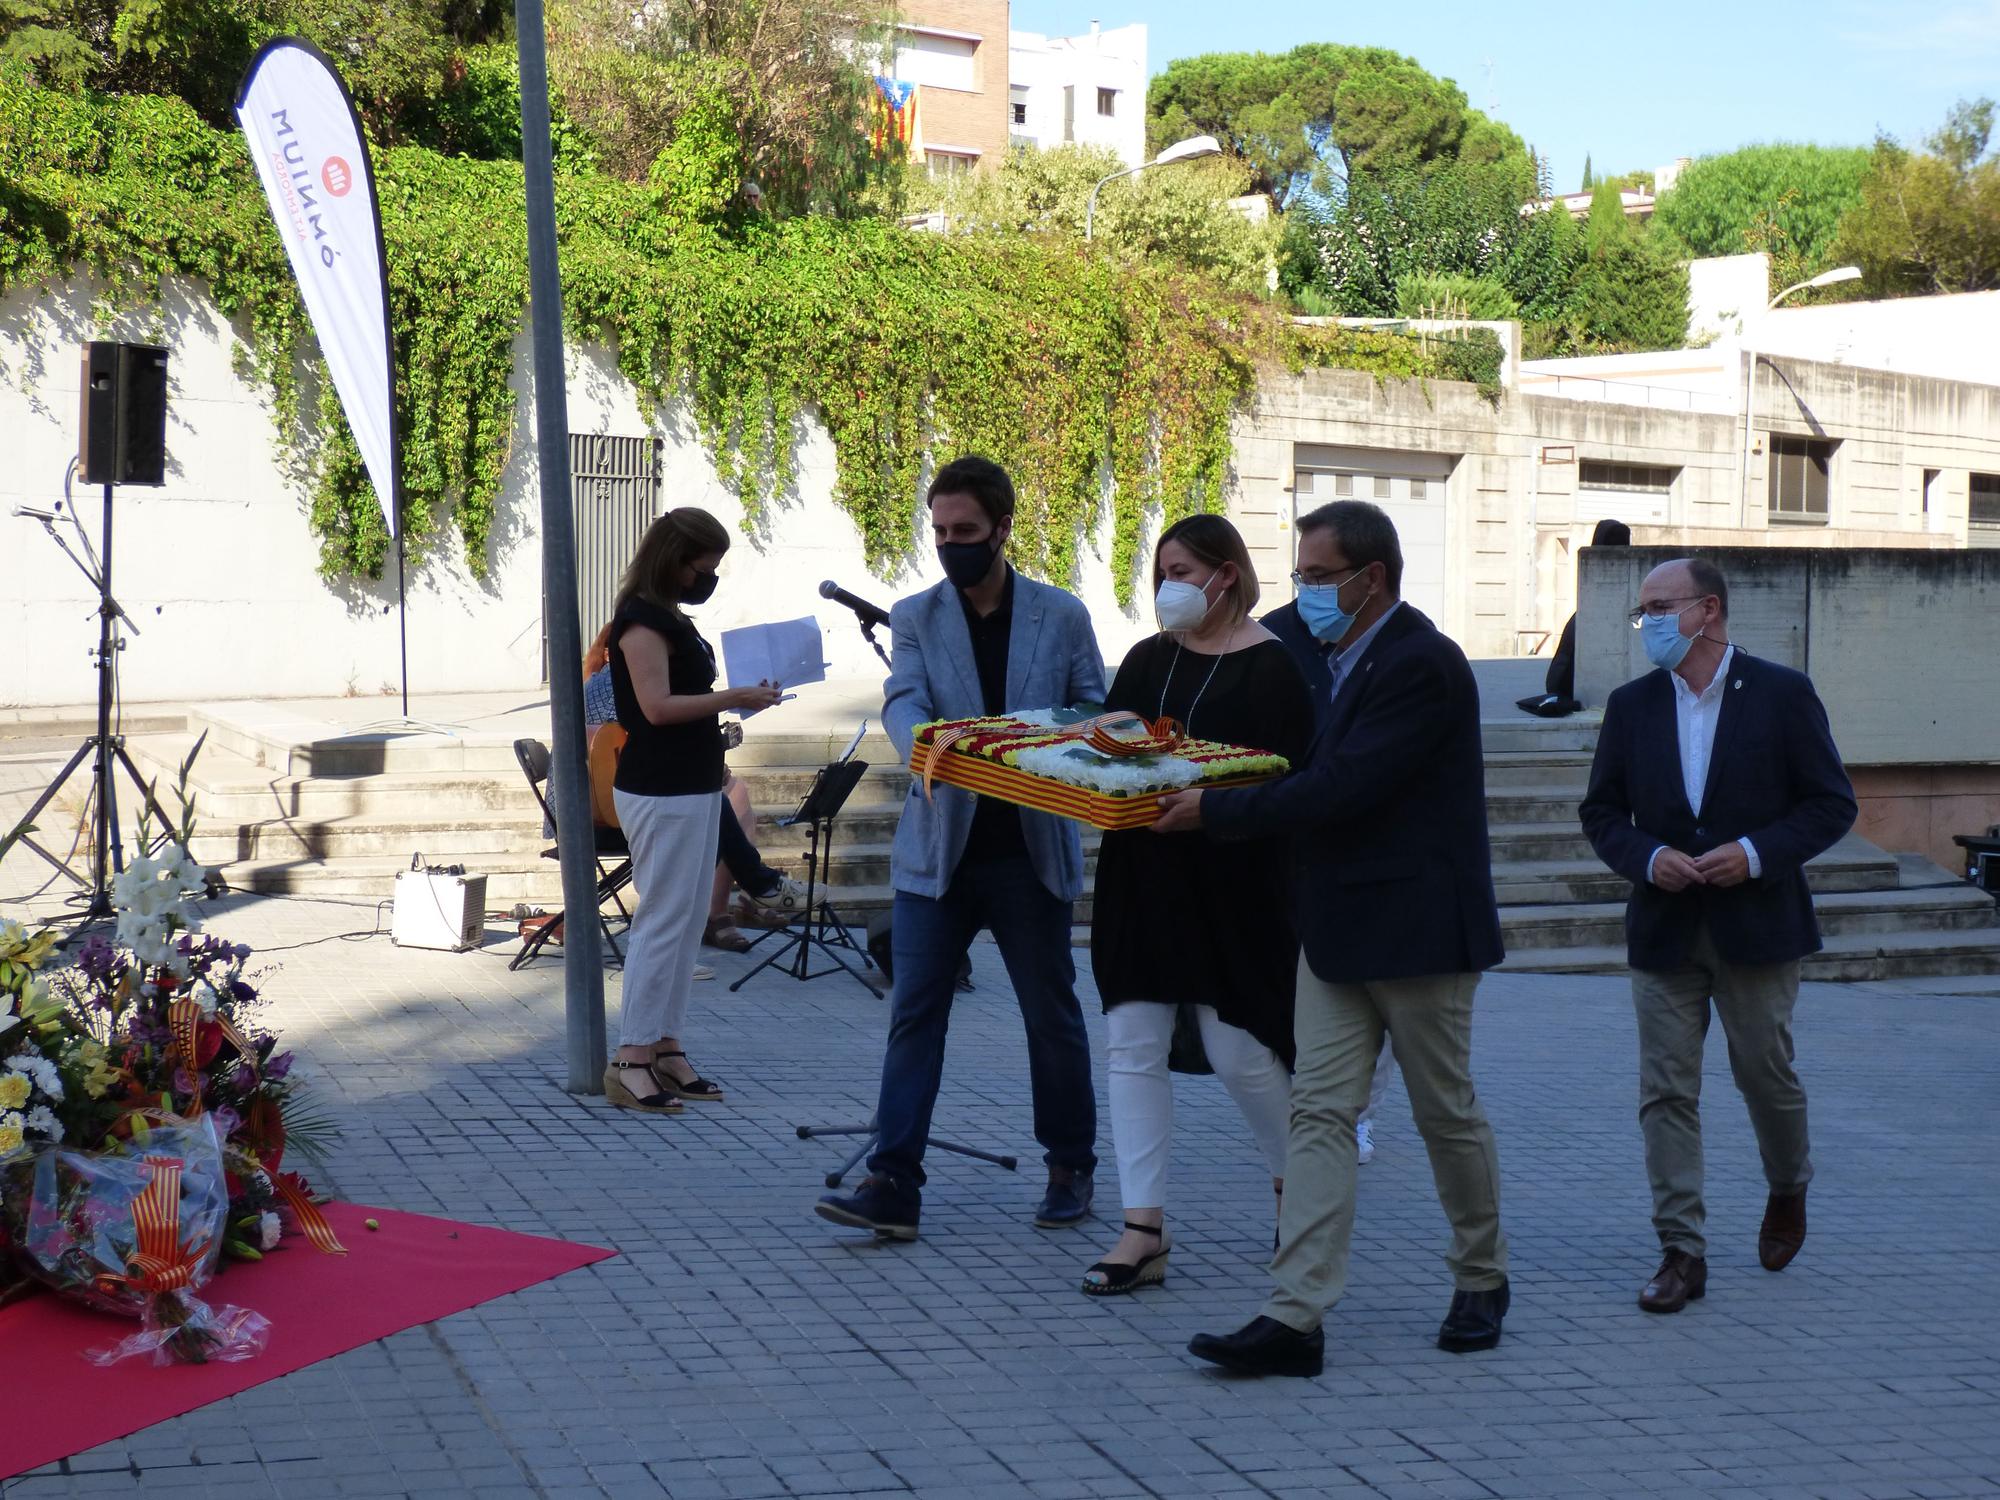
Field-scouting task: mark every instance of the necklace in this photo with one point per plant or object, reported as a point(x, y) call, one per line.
point(1187, 724)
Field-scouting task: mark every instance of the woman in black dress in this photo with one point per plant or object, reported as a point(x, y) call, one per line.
point(1196, 929)
point(668, 792)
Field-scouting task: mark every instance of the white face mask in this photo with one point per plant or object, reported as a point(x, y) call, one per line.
point(1180, 605)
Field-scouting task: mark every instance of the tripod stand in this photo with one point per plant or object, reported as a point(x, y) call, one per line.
point(108, 848)
point(821, 928)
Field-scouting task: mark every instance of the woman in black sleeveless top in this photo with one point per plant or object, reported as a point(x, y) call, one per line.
point(669, 795)
point(1190, 941)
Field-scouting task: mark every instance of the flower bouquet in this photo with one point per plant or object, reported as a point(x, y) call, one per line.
point(145, 1115)
point(138, 1229)
point(1107, 770)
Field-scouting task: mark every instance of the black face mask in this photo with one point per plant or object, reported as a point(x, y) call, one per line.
point(700, 591)
point(966, 563)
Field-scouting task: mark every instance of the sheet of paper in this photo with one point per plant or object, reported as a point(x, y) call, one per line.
point(788, 652)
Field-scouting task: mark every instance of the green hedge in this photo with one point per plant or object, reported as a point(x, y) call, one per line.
point(1064, 366)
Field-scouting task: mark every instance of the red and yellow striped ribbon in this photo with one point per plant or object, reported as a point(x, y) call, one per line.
point(293, 1194)
point(183, 1018)
point(160, 1262)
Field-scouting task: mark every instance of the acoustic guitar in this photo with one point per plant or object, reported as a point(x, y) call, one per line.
point(605, 747)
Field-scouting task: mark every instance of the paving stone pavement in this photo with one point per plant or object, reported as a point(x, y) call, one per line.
point(739, 1347)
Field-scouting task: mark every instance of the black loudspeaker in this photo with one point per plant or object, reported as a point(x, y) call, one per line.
point(122, 419)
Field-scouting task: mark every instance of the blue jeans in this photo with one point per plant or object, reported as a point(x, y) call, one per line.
point(928, 939)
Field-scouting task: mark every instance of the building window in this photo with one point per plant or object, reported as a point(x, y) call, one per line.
point(947, 163)
point(1381, 486)
point(1020, 111)
point(1985, 512)
point(1017, 104)
point(1107, 102)
point(1343, 486)
point(1798, 479)
point(1644, 479)
point(937, 61)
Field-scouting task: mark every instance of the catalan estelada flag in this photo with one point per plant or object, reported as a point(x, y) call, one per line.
point(895, 113)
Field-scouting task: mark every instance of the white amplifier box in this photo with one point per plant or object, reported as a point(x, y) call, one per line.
point(438, 908)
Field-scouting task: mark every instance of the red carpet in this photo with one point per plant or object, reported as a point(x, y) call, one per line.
point(412, 1270)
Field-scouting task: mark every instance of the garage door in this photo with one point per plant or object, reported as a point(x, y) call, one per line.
point(1410, 487)
point(1637, 494)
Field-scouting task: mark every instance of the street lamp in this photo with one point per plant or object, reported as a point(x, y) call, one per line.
point(1825, 278)
point(1192, 149)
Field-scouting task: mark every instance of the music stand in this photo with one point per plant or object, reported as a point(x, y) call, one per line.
point(821, 928)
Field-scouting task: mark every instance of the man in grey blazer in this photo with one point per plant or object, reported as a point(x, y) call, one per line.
point(985, 641)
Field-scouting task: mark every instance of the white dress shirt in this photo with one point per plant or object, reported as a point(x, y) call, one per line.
point(1696, 716)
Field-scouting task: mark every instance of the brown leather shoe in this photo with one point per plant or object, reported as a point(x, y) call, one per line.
point(1681, 1279)
point(1784, 1230)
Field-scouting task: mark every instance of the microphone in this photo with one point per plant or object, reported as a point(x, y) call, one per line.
point(34, 511)
point(870, 615)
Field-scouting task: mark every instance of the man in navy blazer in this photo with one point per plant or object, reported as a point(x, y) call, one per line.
point(1393, 890)
point(1715, 780)
point(985, 641)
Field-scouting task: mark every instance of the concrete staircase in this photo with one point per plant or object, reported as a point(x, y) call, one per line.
point(284, 812)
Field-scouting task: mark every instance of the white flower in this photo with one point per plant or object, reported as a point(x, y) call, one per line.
point(43, 1122)
point(269, 1231)
point(40, 1072)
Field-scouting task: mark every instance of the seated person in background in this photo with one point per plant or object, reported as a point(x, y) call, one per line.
point(1558, 696)
point(770, 899)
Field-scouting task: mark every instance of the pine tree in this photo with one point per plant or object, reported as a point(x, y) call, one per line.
point(1589, 177)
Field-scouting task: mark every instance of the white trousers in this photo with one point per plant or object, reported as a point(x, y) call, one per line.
point(673, 865)
point(1139, 1034)
point(1385, 1074)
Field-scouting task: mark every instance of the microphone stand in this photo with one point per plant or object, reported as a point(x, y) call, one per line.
point(868, 632)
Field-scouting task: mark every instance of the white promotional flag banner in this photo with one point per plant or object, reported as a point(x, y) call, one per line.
point(306, 140)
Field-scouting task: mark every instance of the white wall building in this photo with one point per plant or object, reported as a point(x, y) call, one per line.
point(1089, 89)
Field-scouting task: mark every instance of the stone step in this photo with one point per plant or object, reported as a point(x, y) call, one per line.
point(1846, 957)
point(1602, 924)
point(450, 841)
point(509, 878)
point(1853, 864)
point(1528, 736)
point(1508, 769)
point(269, 735)
point(229, 789)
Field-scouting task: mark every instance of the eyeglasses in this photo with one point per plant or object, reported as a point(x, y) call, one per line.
point(1658, 609)
point(1300, 581)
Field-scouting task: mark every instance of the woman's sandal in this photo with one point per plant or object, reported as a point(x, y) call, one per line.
point(1120, 1279)
point(654, 1101)
point(722, 933)
point(698, 1089)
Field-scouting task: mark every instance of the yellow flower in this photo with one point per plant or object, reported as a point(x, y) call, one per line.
point(14, 1090)
point(99, 1075)
point(10, 1135)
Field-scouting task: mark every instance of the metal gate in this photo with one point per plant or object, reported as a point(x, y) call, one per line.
point(614, 485)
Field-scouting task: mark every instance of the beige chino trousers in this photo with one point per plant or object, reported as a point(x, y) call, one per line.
point(1339, 1029)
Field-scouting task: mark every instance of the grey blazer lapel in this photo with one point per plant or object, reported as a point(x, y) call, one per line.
point(948, 627)
point(1022, 640)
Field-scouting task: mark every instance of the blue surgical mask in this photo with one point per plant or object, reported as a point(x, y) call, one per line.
point(1320, 609)
point(1661, 636)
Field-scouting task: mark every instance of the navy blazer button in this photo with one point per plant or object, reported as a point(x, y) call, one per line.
point(1701, 833)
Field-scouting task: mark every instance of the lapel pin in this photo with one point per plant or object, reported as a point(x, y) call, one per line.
point(1737, 683)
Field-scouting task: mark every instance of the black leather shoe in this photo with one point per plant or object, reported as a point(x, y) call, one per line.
point(1783, 1231)
point(1681, 1279)
point(1066, 1204)
point(1263, 1346)
point(879, 1204)
point(1474, 1320)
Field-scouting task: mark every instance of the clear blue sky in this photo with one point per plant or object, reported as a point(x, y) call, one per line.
point(1634, 85)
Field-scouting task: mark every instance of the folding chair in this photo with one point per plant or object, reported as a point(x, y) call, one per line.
point(609, 844)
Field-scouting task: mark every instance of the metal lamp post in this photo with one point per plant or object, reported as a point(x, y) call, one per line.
point(1825, 278)
point(1193, 148)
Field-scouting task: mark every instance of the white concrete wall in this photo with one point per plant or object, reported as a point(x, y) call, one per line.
point(218, 566)
point(1894, 639)
point(1114, 59)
